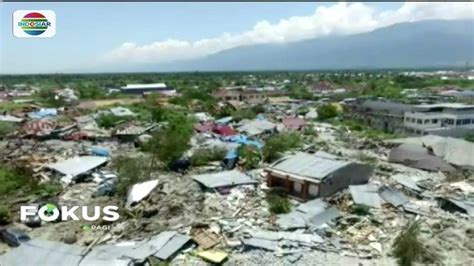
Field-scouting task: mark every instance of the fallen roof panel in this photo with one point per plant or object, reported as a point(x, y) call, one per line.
point(224, 179)
point(78, 165)
point(366, 195)
point(261, 243)
point(38, 252)
point(326, 216)
point(172, 246)
point(393, 196)
point(407, 182)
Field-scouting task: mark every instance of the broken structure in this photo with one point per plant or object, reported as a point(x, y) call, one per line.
point(309, 176)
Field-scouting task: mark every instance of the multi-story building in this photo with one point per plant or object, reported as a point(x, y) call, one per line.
point(444, 119)
point(141, 89)
point(245, 95)
point(447, 119)
point(383, 115)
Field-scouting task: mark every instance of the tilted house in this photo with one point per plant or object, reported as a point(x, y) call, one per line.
point(308, 176)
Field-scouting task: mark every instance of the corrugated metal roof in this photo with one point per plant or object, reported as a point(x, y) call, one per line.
point(312, 207)
point(406, 181)
point(162, 246)
point(325, 216)
point(300, 217)
point(78, 165)
point(468, 206)
point(257, 126)
point(393, 196)
point(291, 236)
point(224, 179)
point(42, 252)
point(172, 246)
point(366, 195)
point(308, 165)
point(261, 243)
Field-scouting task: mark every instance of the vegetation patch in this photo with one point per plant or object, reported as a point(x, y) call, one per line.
point(131, 171)
point(278, 204)
point(277, 144)
point(249, 157)
point(327, 112)
point(204, 156)
point(6, 128)
point(408, 249)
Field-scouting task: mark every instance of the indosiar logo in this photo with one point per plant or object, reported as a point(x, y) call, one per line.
point(34, 23)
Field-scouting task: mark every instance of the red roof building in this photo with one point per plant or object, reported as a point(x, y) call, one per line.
point(294, 123)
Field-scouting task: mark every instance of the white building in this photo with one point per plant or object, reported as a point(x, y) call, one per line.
point(440, 119)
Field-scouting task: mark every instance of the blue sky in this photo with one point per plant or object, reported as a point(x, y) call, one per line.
point(91, 35)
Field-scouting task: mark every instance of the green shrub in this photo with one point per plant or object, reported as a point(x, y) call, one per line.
point(360, 209)
point(244, 113)
point(327, 111)
point(12, 180)
point(204, 156)
point(407, 248)
point(48, 189)
point(309, 131)
point(110, 120)
point(90, 92)
point(469, 137)
point(249, 157)
point(275, 145)
point(278, 204)
point(130, 171)
point(5, 215)
point(6, 128)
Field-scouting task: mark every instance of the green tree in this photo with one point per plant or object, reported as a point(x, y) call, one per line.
point(131, 171)
point(249, 157)
point(169, 143)
point(275, 145)
point(90, 92)
point(327, 111)
point(204, 156)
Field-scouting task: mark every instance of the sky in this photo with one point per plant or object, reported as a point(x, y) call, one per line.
point(92, 37)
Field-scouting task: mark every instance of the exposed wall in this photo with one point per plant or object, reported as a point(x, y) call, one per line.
point(352, 174)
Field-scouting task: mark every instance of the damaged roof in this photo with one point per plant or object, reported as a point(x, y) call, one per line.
point(393, 196)
point(416, 156)
point(455, 151)
point(257, 126)
point(224, 179)
point(308, 165)
point(366, 195)
point(78, 165)
point(38, 252)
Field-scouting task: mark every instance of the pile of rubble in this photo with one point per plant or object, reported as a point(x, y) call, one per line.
point(349, 198)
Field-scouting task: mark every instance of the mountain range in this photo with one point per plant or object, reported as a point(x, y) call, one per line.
point(423, 44)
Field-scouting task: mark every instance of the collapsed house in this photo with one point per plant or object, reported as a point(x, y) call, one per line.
point(308, 176)
point(257, 127)
point(419, 157)
point(224, 179)
point(433, 153)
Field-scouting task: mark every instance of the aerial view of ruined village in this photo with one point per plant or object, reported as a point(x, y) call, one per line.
point(236, 134)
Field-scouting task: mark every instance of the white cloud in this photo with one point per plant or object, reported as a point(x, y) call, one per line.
point(340, 18)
